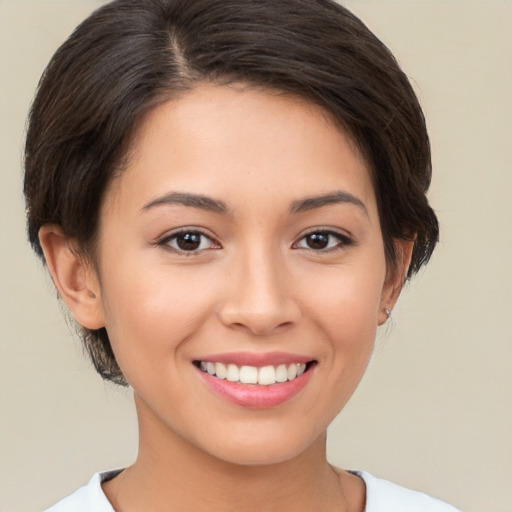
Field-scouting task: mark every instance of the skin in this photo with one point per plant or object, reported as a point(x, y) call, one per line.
point(255, 284)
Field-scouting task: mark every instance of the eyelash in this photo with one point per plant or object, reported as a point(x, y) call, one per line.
point(166, 241)
point(343, 241)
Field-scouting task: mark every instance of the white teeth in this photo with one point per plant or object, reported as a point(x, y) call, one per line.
point(233, 374)
point(220, 370)
point(281, 373)
point(249, 375)
point(292, 371)
point(265, 375)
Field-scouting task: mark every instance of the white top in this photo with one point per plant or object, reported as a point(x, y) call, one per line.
point(381, 496)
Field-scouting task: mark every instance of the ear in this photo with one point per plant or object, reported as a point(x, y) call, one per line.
point(396, 278)
point(75, 279)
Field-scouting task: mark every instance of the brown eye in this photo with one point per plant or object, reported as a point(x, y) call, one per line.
point(317, 240)
point(189, 241)
point(323, 241)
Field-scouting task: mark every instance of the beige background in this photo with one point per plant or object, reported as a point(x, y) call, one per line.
point(435, 409)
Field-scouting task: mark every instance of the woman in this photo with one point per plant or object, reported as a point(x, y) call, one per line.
point(229, 196)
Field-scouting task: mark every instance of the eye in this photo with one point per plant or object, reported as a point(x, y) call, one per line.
point(189, 240)
point(323, 240)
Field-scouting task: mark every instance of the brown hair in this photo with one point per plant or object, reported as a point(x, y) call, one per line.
point(131, 55)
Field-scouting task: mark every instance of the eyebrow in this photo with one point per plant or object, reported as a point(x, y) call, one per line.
point(339, 196)
point(218, 206)
point(193, 200)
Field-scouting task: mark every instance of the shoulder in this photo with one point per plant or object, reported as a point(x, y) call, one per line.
point(89, 498)
point(384, 496)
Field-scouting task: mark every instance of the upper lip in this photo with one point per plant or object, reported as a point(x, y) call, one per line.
point(256, 359)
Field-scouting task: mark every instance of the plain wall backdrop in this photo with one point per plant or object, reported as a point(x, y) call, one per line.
point(434, 411)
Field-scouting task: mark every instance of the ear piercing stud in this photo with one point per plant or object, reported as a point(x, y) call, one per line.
point(388, 313)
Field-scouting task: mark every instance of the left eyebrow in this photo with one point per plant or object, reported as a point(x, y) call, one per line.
point(339, 196)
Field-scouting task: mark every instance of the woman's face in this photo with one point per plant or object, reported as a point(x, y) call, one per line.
point(243, 239)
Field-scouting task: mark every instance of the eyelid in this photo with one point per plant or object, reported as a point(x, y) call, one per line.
point(163, 241)
point(344, 239)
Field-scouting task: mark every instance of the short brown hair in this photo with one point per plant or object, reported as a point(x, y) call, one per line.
point(131, 55)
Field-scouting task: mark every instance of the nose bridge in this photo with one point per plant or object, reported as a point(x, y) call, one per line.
point(260, 298)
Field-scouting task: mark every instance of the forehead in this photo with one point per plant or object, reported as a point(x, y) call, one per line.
point(240, 141)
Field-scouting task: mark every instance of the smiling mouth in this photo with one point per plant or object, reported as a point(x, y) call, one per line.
point(264, 375)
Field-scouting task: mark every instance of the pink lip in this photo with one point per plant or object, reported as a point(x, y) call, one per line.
point(255, 359)
point(255, 395)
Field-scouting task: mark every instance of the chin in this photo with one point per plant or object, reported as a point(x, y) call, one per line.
point(257, 456)
point(274, 447)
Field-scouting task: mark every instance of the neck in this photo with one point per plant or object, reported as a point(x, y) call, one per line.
point(172, 474)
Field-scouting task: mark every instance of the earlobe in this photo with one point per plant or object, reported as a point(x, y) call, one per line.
point(75, 279)
point(396, 279)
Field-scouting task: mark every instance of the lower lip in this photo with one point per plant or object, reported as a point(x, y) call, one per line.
point(255, 395)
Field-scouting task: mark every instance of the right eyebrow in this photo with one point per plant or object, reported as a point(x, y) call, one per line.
point(186, 199)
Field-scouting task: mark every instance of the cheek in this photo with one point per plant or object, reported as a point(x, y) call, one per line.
point(349, 297)
point(346, 309)
point(149, 314)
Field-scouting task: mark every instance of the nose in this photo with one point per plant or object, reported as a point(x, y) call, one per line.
point(260, 300)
